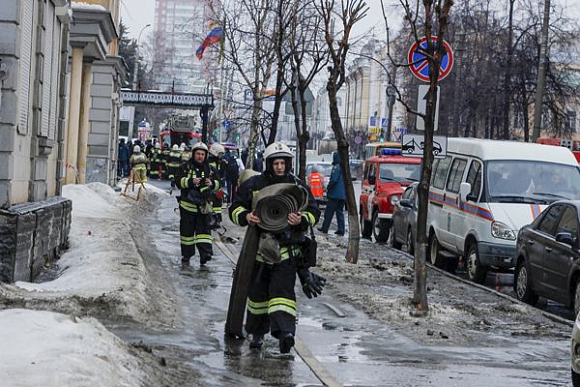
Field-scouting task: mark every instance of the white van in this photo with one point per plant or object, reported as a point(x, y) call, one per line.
point(484, 191)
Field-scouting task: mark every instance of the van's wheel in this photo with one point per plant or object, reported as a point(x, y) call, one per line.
point(434, 250)
point(410, 242)
point(394, 243)
point(476, 272)
point(577, 299)
point(365, 226)
point(522, 285)
point(381, 228)
point(575, 379)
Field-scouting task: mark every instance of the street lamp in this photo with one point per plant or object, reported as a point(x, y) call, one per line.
point(136, 64)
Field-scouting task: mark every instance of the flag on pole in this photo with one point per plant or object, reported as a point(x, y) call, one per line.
point(214, 36)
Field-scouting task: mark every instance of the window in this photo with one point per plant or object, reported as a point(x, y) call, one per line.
point(338, 101)
point(569, 222)
point(372, 171)
point(434, 169)
point(474, 178)
point(456, 174)
point(548, 223)
point(571, 120)
point(441, 173)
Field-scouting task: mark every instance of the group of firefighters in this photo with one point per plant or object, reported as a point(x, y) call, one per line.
point(271, 303)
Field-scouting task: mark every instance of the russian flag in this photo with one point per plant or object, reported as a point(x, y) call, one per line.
point(213, 37)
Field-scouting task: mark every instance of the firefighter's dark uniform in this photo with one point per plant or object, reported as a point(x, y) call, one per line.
point(194, 227)
point(217, 197)
point(173, 164)
point(164, 163)
point(271, 297)
point(156, 161)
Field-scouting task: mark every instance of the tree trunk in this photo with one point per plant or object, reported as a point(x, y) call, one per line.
point(254, 134)
point(353, 225)
point(305, 134)
point(508, 76)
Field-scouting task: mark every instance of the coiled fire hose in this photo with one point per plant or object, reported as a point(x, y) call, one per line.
point(273, 204)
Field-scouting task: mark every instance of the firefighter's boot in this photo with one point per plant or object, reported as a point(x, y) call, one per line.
point(257, 341)
point(286, 342)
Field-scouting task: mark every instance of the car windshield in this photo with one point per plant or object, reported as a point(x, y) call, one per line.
point(517, 181)
point(323, 169)
point(399, 172)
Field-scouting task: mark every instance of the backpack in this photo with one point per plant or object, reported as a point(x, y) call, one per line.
point(232, 169)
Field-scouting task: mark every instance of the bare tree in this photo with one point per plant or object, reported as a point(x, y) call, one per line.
point(347, 14)
point(429, 20)
point(308, 56)
point(248, 27)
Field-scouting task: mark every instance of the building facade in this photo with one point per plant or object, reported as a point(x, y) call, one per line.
point(180, 28)
point(56, 60)
point(34, 219)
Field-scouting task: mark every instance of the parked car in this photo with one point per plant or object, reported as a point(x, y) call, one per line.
point(318, 188)
point(575, 353)
point(484, 191)
point(548, 253)
point(384, 179)
point(404, 228)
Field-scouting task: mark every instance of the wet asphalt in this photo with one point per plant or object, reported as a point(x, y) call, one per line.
point(355, 349)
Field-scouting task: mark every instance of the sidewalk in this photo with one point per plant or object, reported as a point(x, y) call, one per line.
point(50, 335)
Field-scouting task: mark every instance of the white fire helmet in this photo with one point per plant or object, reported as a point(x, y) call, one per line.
point(136, 149)
point(175, 147)
point(216, 149)
point(199, 146)
point(277, 150)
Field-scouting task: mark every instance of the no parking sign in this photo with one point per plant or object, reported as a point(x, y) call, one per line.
point(419, 65)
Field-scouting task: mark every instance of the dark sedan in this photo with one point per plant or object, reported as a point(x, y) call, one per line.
point(404, 221)
point(547, 252)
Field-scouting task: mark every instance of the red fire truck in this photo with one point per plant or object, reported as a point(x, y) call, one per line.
point(179, 129)
point(573, 145)
point(384, 179)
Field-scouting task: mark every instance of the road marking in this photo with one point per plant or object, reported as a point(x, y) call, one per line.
point(337, 311)
point(315, 366)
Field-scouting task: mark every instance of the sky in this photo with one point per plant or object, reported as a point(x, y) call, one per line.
point(136, 14)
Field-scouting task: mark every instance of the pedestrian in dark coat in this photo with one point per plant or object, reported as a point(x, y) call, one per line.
point(123, 161)
point(336, 195)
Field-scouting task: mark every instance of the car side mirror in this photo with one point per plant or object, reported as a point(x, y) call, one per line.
point(353, 178)
point(406, 203)
point(372, 180)
point(566, 238)
point(464, 190)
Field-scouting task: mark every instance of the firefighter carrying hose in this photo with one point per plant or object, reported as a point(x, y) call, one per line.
point(197, 180)
point(271, 304)
point(216, 152)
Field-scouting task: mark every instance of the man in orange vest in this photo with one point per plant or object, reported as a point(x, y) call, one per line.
point(316, 184)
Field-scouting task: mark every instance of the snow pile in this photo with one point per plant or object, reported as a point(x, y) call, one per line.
point(102, 263)
point(51, 349)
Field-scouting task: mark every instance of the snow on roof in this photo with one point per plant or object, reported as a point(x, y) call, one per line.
point(87, 6)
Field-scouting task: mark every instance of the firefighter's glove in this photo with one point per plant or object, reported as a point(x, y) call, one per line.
point(312, 284)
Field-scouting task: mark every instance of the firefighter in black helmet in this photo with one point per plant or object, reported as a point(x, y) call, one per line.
point(197, 180)
point(271, 304)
